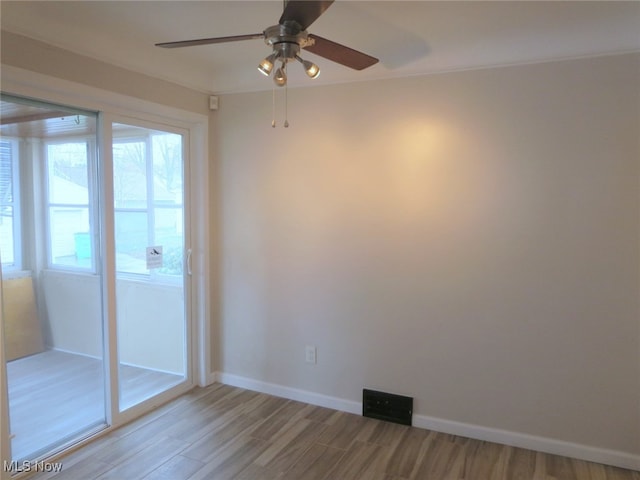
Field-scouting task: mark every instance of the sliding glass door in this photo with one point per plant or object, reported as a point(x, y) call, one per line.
point(51, 278)
point(148, 190)
point(95, 273)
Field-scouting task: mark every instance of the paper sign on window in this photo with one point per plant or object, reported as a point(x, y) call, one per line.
point(154, 257)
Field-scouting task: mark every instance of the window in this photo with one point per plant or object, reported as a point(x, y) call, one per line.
point(9, 205)
point(69, 215)
point(148, 190)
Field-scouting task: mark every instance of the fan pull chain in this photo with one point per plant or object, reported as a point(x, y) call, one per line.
point(273, 108)
point(286, 107)
point(286, 102)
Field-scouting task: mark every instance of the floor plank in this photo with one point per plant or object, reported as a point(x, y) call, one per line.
point(177, 467)
point(404, 456)
point(315, 464)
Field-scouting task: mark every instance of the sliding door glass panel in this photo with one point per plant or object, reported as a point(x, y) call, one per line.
point(52, 290)
point(150, 254)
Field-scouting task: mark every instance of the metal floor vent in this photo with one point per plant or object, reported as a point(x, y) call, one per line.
point(387, 406)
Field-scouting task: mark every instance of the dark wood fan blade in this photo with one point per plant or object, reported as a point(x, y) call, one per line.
point(340, 54)
point(304, 12)
point(208, 41)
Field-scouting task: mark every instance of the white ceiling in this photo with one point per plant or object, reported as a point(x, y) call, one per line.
point(415, 37)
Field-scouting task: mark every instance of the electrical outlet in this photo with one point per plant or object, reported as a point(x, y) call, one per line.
point(310, 354)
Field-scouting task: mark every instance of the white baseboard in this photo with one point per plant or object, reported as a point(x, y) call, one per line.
point(64, 350)
point(478, 432)
point(530, 442)
point(290, 393)
point(95, 357)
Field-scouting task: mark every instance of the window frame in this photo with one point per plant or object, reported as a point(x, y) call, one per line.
point(91, 144)
point(16, 206)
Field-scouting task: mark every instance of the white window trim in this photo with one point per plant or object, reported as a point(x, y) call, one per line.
point(90, 206)
point(16, 205)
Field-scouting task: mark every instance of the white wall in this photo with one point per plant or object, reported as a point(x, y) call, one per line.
point(150, 319)
point(470, 239)
point(71, 312)
point(29, 54)
point(151, 326)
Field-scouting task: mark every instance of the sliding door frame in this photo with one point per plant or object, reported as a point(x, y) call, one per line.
point(116, 414)
point(116, 107)
point(5, 444)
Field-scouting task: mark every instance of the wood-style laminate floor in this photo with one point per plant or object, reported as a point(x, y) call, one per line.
point(222, 432)
point(56, 396)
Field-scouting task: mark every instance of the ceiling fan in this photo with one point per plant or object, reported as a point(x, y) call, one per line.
point(288, 37)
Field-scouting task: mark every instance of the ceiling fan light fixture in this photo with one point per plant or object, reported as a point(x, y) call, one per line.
point(266, 65)
point(311, 69)
point(280, 77)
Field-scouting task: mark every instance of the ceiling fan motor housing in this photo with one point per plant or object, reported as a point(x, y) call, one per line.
point(287, 39)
